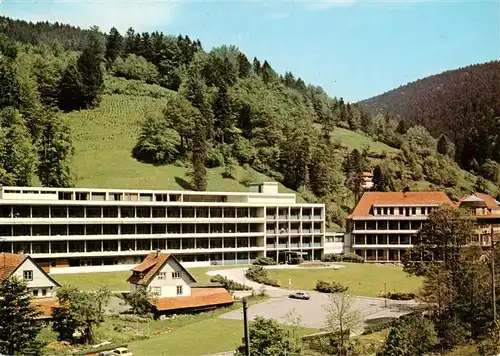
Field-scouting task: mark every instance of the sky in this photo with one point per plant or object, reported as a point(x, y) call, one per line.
point(354, 49)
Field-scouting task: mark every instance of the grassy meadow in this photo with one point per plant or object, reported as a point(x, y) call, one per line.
point(363, 279)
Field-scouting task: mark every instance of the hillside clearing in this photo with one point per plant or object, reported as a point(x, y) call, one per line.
point(104, 138)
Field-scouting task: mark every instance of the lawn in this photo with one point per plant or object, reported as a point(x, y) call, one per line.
point(117, 281)
point(355, 140)
point(104, 138)
point(362, 279)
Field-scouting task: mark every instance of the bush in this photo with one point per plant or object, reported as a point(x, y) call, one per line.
point(264, 261)
point(350, 257)
point(135, 67)
point(228, 284)
point(330, 287)
point(399, 296)
point(333, 257)
point(377, 325)
point(259, 274)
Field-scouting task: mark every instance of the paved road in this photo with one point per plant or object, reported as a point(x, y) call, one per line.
point(311, 312)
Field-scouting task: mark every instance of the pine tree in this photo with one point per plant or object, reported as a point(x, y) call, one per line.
point(402, 127)
point(129, 42)
point(199, 173)
point(55, 150)
point(89, 67)
point(18, 328)
point(70, 96)
point(244, 65)
point(256, 66)
point(224, 118)
point(114, 45)
point(377, 178)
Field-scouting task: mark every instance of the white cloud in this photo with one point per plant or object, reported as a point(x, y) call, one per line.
point(142, 15)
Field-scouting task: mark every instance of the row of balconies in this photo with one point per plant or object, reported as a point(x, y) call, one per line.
point(388, 225)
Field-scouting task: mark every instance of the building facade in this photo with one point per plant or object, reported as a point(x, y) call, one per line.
point(486, 211)
point(78, 229)
point(383, 224)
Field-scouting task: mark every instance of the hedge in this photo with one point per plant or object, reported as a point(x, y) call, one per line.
point(350, 257)
point(228, 284)
point(264, 261)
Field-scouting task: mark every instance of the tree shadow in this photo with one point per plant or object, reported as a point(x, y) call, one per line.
point(183, 183)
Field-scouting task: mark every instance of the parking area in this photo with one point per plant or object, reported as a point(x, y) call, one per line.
point(312, 313)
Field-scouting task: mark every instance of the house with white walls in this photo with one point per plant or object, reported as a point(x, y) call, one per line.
point(173, 288)
point(41, 286)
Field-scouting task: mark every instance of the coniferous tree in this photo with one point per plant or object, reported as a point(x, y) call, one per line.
point(224, 118)
point(114, 45)
point(55, 150)
point(129, 42)
point(89, 67)
point(244, 65)
point(377, 178)
point(18, 328)
point(402, 127)
point(256, 66)
point(199, 173)
point(70, 95)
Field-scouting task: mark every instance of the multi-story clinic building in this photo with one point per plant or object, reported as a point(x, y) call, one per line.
point(111, 229)
point(383, 224)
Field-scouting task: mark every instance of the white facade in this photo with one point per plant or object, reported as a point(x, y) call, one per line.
point(38, 283)
point(335, 242)
point(78, 229)
point(171, 281)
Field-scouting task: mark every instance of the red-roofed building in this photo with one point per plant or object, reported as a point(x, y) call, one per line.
point(486, 211)
point(175, 289)
point(40, 284)
point(382, 225)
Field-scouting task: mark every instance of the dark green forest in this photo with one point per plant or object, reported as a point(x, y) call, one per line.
point(462, 104)
point(222, 109)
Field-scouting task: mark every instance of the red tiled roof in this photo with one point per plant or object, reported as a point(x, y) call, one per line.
point(150, 266)
point(200, 297)
point(491, 203)
point(9, 262)
point(394, 198)
point(45, 306)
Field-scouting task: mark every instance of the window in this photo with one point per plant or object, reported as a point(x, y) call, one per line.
point(179, 290)
point(162, 275)
point(35, 292)
point(28, 275)
point(156, 290)
point(176, 274)
point(44, 292)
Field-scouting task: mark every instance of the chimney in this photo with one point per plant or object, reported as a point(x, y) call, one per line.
point(157, 252)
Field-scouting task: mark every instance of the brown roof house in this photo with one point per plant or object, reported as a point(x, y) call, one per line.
point(40, 284)
point(175, 289)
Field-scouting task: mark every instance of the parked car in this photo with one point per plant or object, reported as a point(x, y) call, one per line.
point(300, 295)
point(122, 351)
point(106, 353)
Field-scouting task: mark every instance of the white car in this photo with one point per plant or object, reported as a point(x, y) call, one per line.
point(122, 351)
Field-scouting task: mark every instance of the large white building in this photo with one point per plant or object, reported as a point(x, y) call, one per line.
point(79, 229)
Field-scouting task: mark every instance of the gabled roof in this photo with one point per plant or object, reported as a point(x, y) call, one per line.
point(200, 297)
point(10, 262)
point(490, 202)
point(369, 199)
point(151, 265)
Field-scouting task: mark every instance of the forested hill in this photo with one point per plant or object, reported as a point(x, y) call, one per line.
point(463, 104)
point(153, 110)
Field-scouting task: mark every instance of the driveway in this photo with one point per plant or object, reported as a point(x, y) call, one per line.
point(311, 312)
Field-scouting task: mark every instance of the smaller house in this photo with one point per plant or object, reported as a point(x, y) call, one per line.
point(175, 289)
point(367, 178)
point(40, 284)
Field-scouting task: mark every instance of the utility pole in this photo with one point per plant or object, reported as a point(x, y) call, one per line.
point(493, 283)
point(245, 322)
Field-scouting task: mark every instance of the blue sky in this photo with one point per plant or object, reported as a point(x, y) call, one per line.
point(354, 49)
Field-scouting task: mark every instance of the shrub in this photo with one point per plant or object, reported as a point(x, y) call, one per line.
point(228, 283)
point(264, 261)
point(377, 325)
point(400, 296)
point(135, 67)
point(352, 257)
point(259, 274)
point(330, 287)
point(333, 257)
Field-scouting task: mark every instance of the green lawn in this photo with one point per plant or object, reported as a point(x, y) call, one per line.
point(362, 279)
point(117, 281)
point(355, 140)
point(104, 138)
